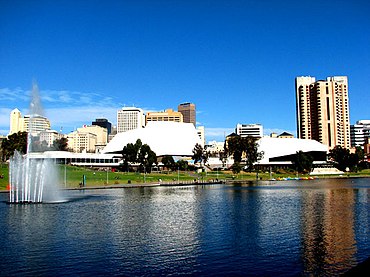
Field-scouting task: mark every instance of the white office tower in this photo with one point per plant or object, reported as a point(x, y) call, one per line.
point(253, 130)
point(129, 118)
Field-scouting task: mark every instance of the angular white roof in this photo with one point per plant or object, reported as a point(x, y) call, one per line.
point(163, 137)
point(278, 147)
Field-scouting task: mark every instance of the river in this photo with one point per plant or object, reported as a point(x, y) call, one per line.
point(283, 228)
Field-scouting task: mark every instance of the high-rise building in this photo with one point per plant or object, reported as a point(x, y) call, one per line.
point(323, 110)
point(34, 124)
point(188, 112)
point(129, 118)
point(167, 115)
point(102, 122)
point(253, 130)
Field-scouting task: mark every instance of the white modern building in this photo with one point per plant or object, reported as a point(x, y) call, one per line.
point(35, 124)
point(279, 151)
point(163, 137)
point(253, 130)
point(130, 118)
point(360, 132)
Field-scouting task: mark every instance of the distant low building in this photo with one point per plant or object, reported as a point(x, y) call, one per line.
point(167, 115)
point(49, 136)
point(253, 130)
point(285, 135)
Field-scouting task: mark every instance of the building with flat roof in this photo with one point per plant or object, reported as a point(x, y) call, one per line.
point(34, 124)
point(49, 136)
point(82, 142)
point(167, 115)
point(360, 132)
point(102, 122)
point(129, 118)
point(253, 130)
point(323, 110)
point(188, 112)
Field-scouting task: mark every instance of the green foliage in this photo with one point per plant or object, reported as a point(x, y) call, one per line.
point(168, 162)
point(244, 148)
point(199, 154)
point(236, 167)
point(302, 162)
point(16, 141)
point(138, 153)
point(344, 159)
point(60, 144)
point(182, 165)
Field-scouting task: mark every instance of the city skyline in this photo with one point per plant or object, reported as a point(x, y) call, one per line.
point(236, 61)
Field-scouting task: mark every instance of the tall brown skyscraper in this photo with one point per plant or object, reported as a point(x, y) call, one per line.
point(323, 110)
point(188, 112)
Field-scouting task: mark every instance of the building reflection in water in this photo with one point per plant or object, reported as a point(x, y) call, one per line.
point(328, 234)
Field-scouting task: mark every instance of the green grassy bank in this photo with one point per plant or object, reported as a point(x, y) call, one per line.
point(72, 176)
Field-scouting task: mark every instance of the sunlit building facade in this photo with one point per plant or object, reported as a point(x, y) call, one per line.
point(34, 124)
point(323, 110)
point(188, 112)
point(129, 118)
point(167, 115)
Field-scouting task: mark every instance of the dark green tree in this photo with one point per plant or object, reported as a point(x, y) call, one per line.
point(344, 159)
point(16, 141)
point(138, 153)
point(60, 144)
point(243, 149)
point(199, 154)
point(302, 162)
point(168, 162)
point(182, 165)
point(146, 158)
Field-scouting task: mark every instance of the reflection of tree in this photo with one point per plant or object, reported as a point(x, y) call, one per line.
point(328, 231)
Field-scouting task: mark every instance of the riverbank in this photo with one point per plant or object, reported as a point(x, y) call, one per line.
point(71, 177)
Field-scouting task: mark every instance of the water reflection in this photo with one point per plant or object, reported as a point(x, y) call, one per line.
point(270, 229)
point(328, 236)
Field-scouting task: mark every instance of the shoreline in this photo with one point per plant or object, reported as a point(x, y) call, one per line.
point(191, 183)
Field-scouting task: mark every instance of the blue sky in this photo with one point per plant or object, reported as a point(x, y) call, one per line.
point(236, 60)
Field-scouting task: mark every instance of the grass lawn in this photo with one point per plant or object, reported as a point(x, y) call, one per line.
point(72, 176)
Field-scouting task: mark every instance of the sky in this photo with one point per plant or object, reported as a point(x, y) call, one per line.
point(235, 60)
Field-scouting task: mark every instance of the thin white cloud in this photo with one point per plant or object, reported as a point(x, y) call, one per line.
point(217, 134)
point(16, 94)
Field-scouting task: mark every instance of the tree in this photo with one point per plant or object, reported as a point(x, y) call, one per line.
point(243, 149)
point(182, 165)
point(344, 159)
point(302, 162)
point(168, 162)
point(138, 153)
point(146, 157)
point(199, 154)
point(16, 141)
point(60, 144)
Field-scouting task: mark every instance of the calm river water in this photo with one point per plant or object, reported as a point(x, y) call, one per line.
point(285, 228)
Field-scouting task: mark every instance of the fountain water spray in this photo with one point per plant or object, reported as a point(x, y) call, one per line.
point(33, 180)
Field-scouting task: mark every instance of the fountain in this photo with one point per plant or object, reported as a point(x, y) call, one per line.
point(33, 180)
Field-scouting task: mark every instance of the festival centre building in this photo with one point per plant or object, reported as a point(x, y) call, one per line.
point(280, 151)
point(163, 137)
